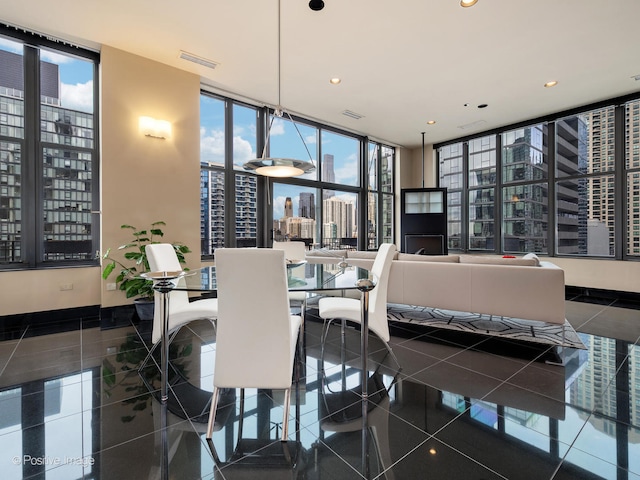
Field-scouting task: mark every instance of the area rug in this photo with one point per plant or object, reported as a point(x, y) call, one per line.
point(489, 325)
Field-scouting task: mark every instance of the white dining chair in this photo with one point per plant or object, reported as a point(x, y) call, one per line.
point(333, 308)
point(256, 333)
point(162, 258)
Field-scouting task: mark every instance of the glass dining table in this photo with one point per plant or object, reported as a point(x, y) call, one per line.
point(301, 277)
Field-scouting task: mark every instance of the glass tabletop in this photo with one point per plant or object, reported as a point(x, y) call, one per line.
point(307, 277)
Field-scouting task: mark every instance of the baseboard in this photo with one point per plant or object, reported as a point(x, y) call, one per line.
point(597, 295)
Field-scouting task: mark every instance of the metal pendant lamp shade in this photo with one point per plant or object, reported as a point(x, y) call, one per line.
point(276, 166)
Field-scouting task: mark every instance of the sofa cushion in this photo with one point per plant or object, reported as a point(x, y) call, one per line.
point(412, 257)
point(496, 260)
point(532, 256)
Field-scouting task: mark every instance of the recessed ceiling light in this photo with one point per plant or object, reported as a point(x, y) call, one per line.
point(468, 3)
point(431, 122)
point(552, 83)
point(335, 81)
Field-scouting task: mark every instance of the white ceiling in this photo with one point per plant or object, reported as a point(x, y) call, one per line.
point(402, 62)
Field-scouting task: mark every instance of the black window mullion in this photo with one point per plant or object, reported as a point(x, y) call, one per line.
point(32, 231)
point(620, 220)
point(229, 179)
point(497, 199)
point(552, 220)
point(464, 214)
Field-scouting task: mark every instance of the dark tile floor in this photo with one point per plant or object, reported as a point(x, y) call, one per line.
point(72, 405)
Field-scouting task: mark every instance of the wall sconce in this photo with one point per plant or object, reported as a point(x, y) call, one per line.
point(150, 127)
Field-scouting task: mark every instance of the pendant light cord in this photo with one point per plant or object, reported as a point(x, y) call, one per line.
point(423, 159)
point(279, 110)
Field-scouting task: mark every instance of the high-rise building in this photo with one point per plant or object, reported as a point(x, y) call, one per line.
point(288, 208)
point(307, 205)
point(67, 172)
point(212, 200)
point(328, 172)
point(341, 214)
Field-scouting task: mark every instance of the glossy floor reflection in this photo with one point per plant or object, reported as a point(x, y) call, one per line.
point(73, 405)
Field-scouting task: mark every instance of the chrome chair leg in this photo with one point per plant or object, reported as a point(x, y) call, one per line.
point(285, 419)
point(212, 414)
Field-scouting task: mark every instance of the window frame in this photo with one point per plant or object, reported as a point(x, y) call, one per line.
point(622, 139)
point(32, 233)
point(265, 185)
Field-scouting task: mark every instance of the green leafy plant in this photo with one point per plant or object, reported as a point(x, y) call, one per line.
point(128, 276)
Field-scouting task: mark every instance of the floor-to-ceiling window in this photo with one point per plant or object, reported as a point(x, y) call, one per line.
point(482, 192)
point(228, 197)
point(380, 162)
point(452, 177)
point(525, 192)
point(585, 183)
point(48, 152)
point(568, 185)
point(321, 208)
point(632, 163)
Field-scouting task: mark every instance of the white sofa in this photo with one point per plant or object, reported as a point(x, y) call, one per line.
point(522, 287)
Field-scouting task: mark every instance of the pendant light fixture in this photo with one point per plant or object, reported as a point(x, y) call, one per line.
point(276, 166)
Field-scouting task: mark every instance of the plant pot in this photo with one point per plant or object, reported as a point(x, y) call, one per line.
point(144, 308)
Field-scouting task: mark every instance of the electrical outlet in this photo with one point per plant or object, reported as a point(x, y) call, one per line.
point(111, 286)
point(66, 286)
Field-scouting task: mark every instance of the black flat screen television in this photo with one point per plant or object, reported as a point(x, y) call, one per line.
point(424, 244)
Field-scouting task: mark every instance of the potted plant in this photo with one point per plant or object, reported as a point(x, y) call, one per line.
point(128, 275)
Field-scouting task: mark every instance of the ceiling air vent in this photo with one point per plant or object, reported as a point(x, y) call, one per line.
point(472, 125)
point(351, 114)
point(199, 60)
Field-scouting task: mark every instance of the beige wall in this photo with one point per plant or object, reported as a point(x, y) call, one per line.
point(148, 179)
point(143, 179)
point(411, 168)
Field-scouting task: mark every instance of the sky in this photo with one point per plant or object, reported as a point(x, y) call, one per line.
point(76, 77)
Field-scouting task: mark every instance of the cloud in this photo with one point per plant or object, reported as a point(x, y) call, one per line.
point(278, 207)
point(212, 146)
point(277, 128)
point(78, 96)
point(52, 57)
point(347, 172)
point(10, 46)
point(242, 149)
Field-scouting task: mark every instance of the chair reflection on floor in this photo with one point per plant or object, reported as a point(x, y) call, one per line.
point(257, 459)
point(340, 401)
point(341, 412)
point(177, 434)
